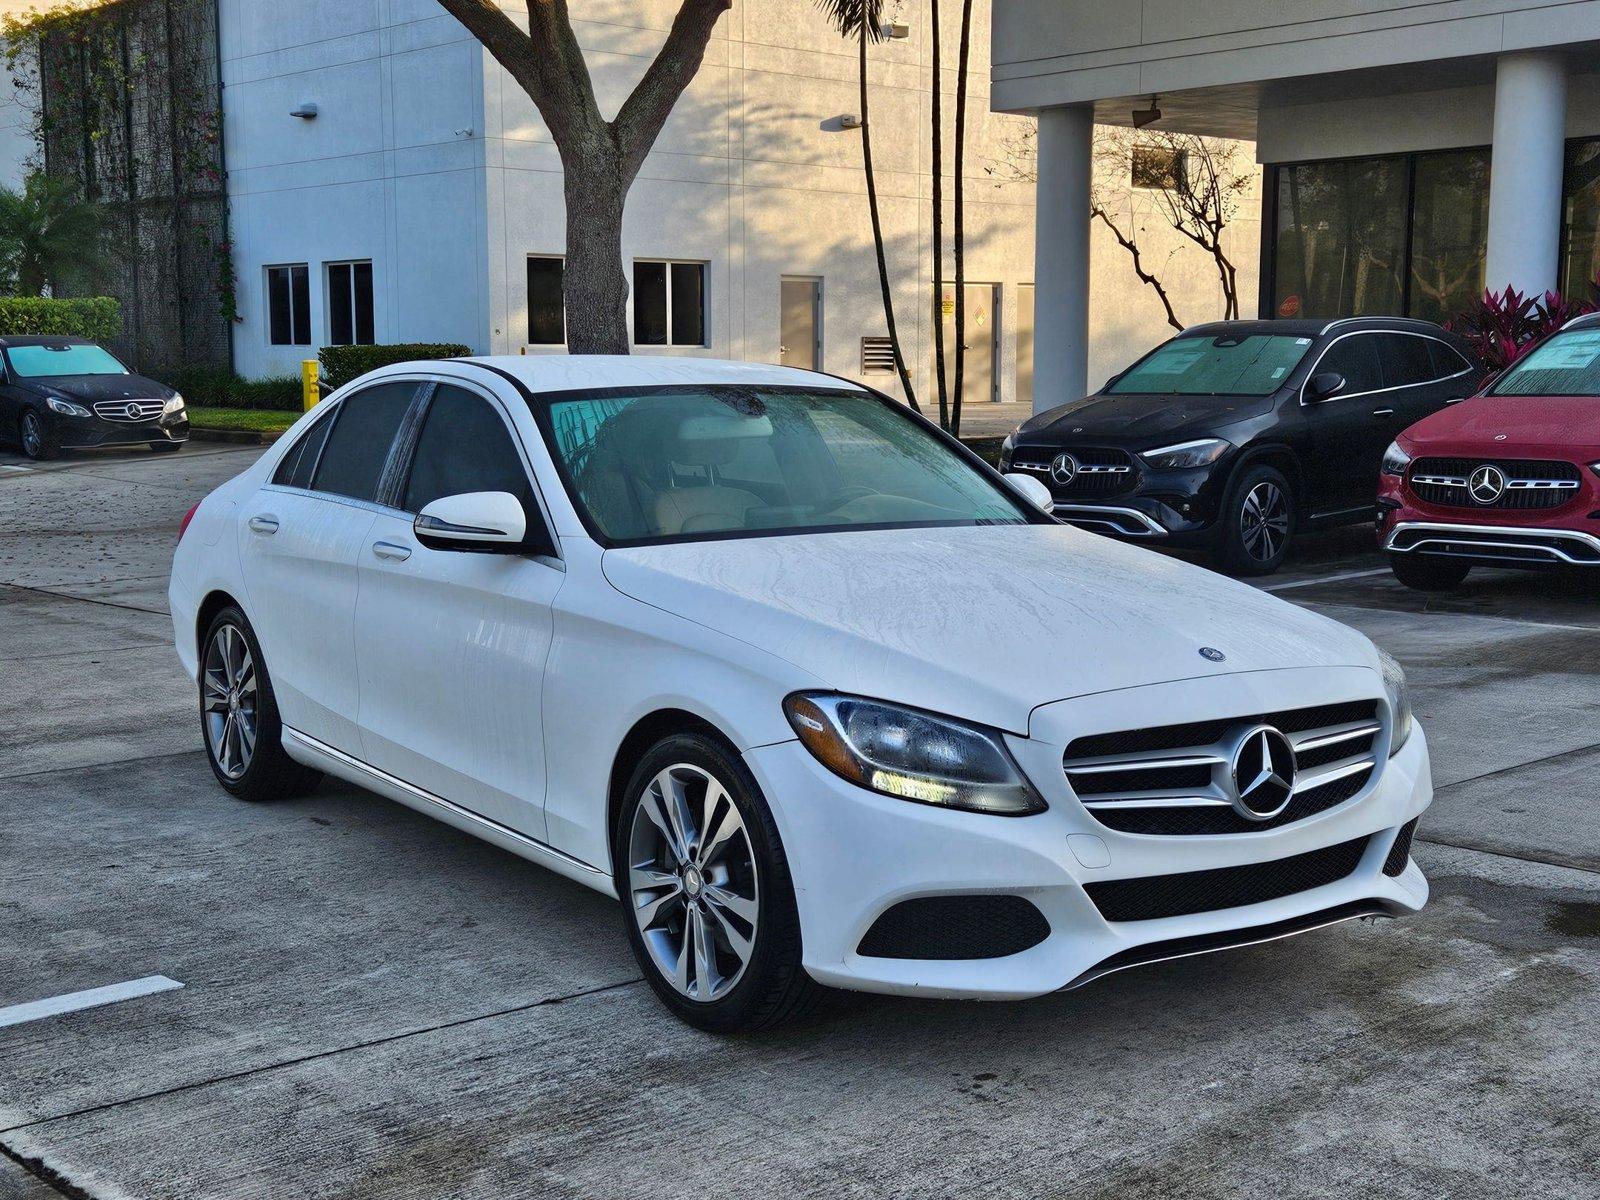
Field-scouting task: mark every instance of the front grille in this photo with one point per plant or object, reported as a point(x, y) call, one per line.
point(1175, 780)
point(956, 927)
point(129, 410)
point(1400, 852)
point(1101, 472)
point(1157, 896)
point(1531, 483)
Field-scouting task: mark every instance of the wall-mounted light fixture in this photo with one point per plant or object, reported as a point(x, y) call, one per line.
point(1147, 116)
point(306, 111)
point(896, 31)
point(849, 121)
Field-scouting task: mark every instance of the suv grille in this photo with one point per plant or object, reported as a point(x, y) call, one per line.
point(129, 410)
point(1157, 896)
point(1176, 780)
point(1099, 473)
point(1529, 483)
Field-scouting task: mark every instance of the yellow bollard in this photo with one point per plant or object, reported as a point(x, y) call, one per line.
point(310, 389)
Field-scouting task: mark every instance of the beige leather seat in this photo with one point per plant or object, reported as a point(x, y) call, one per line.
point(703, 509)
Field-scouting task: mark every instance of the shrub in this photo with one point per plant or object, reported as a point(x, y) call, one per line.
point(208, 387)
point(98, 318)
point(341, 364)
point(1502, 326)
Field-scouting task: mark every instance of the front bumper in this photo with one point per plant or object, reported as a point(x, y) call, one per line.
point(94, 433)
point(1564, 536)
point(855, 854)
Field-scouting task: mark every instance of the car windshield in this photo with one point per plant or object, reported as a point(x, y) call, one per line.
point(1566, 365)
point(1254, 365)
point(39, 362)
point(680, 463)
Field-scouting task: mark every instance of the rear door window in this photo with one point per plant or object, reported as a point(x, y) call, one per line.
point(1356, 358)
point(297, 465)
point(1406, 360)
point(1447, 360)
point(358, 445)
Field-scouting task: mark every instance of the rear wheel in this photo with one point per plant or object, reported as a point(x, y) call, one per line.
point(35, 437)
point(1257, 517)
point(239, 716)
point(1428, 574)
point(707, 897)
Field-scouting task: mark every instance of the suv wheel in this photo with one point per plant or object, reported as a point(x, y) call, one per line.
point(707, 899)
point(1257, 517)
point(1428, 574)
point(36, 441)
point(239, 716)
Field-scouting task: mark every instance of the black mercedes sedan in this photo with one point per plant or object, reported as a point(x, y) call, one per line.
point(1234, 435)
point(64, 393)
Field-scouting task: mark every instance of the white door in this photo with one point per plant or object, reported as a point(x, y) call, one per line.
point(452, 645)
point(800, 323)
point(301, 538)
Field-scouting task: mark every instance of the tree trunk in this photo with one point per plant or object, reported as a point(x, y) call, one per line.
point(959, 234)
point(595, 287)
point(877, 234)
point(938, 229)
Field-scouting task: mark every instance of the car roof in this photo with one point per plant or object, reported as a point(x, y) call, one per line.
point(574, 372)
point(1309, 327)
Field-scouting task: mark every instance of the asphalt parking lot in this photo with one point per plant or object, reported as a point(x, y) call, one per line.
point(374, 1005)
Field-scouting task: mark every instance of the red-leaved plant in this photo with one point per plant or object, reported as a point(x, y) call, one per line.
point(1502, 326)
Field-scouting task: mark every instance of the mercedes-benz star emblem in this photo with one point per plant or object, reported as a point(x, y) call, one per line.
point(1064, 469)
point(1488, 484)
point(1212, 654)
point(1262, 773)
point(132, 410)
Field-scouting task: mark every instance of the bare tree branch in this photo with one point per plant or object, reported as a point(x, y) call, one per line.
point(1145, 277)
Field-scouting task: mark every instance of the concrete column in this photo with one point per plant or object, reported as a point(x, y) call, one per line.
point(1061, 256)
point(1530, 122)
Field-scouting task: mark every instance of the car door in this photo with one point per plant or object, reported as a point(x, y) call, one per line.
point(1343, 437)
point(1414, 389)
point(301, 536)
point(452, 644)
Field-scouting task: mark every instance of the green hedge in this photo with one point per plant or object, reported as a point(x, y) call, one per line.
point(341, 364)
point(205, 387)
point(98, 318)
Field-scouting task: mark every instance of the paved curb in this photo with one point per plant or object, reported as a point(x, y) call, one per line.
point(238, 437)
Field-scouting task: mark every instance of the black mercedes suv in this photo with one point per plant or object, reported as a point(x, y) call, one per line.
point(65, 393)
point(1234, 435)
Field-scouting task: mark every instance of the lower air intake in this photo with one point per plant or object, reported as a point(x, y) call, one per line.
point(956, 927)
point(1400, 853)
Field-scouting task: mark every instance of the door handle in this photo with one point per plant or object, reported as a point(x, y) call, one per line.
point(263, 525)
point(391, 551)
point(1456, 400)
point(1383, 412)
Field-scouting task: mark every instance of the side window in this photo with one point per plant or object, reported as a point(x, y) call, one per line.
point(465, 446)
point(1356, 358)
point(297, 465)
point(1446, 359)
point(1405, 359)
point(358, 445)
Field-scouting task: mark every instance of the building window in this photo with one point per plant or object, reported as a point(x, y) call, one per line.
point(1398, 235)
point(669, 303)
point(1580, 218)
point(547, 306)
point(1159, 168)
point(289, 305)
point(350, 304)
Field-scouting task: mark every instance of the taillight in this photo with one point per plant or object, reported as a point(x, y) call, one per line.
point(187, 517)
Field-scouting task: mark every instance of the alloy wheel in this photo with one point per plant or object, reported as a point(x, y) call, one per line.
point(229, 701)
point(692, 882)
point(1264, 521)
point(32, 435)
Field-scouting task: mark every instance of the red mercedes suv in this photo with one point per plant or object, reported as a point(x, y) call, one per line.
point(1507, 478)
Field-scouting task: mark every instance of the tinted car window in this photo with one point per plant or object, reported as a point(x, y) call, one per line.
point(1405, 359)
point(358, 445)
point(1447, 360)
point(1356, 358)
point(297, 465)
point(464, 447)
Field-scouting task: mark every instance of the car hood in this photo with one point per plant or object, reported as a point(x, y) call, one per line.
point(1509, 425)
point(1141, 418)
point(95, 388)
point(986, 623)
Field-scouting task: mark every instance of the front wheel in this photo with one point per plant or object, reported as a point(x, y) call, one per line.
point(707, 898)
point(1428, 574)
point(36, 441)
point(1257, 517)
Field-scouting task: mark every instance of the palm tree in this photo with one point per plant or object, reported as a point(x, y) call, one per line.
point(863, 20)
point(937, 167)
point(47, 235)
point(958, 235)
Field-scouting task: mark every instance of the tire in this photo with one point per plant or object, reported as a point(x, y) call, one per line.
point(657, 875)
point(33, 434)
point(239, 689)
point(1257, 519)
point(166, 447)
point(1428, 574)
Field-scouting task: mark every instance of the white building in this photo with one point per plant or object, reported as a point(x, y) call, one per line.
point(1415, 151)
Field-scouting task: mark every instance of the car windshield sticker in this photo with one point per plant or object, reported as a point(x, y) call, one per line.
point(1571, 353)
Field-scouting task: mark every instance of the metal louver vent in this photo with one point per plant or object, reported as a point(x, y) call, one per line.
point(877, 354)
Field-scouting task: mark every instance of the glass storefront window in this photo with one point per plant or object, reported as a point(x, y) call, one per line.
point(1449, 233)
point(1341, 238)
point(1580, 219)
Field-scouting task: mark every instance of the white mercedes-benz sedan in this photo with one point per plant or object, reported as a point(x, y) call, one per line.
point(818, 695)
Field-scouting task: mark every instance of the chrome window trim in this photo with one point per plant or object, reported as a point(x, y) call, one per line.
point(1399, 387)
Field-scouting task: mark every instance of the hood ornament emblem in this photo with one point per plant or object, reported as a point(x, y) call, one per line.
point(1212, 654)
point(1499, 437)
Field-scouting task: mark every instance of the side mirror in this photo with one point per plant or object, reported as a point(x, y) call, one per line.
point(1325, 384)
point(482, 521)
point(1031, 490)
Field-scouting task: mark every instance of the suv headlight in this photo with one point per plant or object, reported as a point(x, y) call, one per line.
point(175, 405)
point(912, 755)
point(1008, 447)
point(1187, 454)
point(66, 408)
point(1395, 461)
point(1394, 685)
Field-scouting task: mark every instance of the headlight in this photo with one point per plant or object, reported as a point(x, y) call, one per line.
point(1007, 448)
point(1394, 685)
point(175, 405)
point(912, 755)
point(66, 408)
point(1187, 454)
point(1395, 461)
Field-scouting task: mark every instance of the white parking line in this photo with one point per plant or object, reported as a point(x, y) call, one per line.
point(93, 998)
point(1300, 583)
